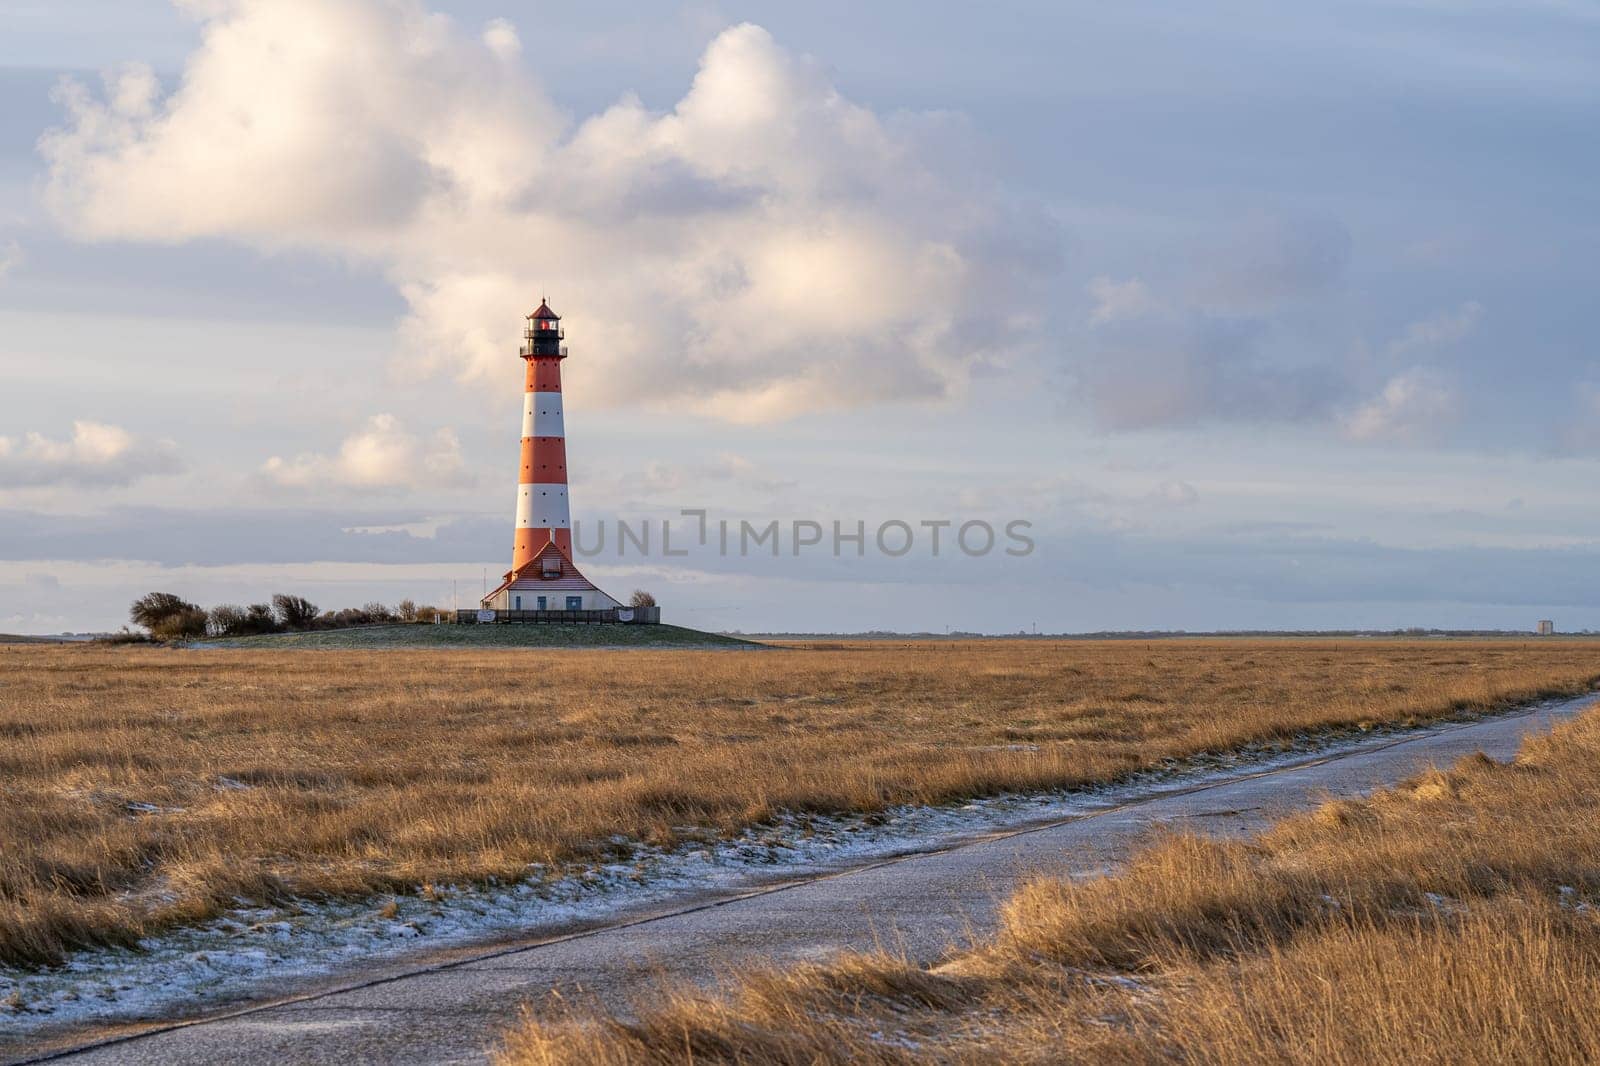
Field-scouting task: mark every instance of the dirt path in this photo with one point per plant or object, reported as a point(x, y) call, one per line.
point(451, 1009)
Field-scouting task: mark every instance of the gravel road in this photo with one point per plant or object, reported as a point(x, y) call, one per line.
point(449, 1009)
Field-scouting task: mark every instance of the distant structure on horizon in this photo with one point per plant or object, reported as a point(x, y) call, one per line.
point(1546, 627)
point(544, 584)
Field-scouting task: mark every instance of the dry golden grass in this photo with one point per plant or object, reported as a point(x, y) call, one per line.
point(1450, 920)
point(142, 787)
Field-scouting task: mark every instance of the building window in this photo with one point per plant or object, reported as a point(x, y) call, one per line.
point(574, 603)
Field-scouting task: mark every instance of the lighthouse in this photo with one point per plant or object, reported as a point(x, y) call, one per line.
point(544, 584)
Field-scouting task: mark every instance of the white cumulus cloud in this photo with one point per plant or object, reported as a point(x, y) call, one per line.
point(765, 247)
point(1416, 404)
point(382, 455)
point(95, 454)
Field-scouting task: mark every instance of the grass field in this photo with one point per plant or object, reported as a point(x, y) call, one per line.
point(609, 635)
point(1450, 920)
point(142, 787)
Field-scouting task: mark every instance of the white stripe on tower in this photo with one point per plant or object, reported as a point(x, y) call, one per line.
point(546, 410)
point(543, 506)
point(541, 415)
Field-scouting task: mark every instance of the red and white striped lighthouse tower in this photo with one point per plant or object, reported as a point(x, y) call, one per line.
point(543, 513)
point(543, 576)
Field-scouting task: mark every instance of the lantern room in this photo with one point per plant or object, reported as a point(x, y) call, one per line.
point(544, 334)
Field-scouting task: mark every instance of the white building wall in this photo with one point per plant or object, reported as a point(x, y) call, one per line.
point(592, 599)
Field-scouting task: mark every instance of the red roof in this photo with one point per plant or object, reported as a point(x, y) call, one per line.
point(531, 576)
point(544, 312)
point(564, 572)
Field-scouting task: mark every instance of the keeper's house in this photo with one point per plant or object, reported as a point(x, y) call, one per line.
point(550, 583)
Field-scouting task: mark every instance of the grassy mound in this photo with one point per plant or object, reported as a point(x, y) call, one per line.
point(610, 635)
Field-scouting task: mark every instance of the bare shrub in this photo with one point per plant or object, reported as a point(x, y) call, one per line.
point(260, 619)
point(366, 615)
point(227, 620)
point(159, 609)
point(187, 624)
point(294, 612)
point(373, 613)
point(641, 598)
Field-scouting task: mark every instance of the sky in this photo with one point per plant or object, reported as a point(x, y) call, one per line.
point(1216, 315)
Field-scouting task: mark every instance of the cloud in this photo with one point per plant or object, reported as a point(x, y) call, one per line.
point(1242, 338)
point(1581, 433)
point(657, 480)
point(1438, 331)
point(174, 537)
point(1416, 404)
point(1117, 300)
point(743, 255)
point(501, 37)
point(382, 455)
point(1176, 493)
point(1189, 369)
point(96, 454)
point(1240, 344)
point(11, 257)
point(1272, 261)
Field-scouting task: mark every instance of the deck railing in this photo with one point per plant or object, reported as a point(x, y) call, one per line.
point(635, 615)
